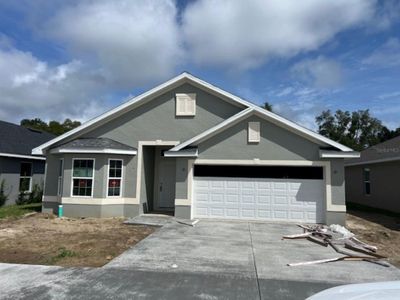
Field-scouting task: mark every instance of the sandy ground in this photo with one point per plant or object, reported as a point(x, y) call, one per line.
point(378, 230)
point(44, 239)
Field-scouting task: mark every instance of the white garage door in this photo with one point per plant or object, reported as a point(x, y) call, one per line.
point(296, 200)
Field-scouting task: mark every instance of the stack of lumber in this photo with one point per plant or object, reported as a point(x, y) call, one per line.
point(342, 241)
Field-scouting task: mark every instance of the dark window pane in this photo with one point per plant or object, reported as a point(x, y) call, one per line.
point(114, 187)
point(83, 168)
point(118, 173)
point(366, 175)
point(367, 188)
point(24, 184)
point(259, 172)
point(82, 187)
point(119, 164)
point(26, 169)
point(112, 164)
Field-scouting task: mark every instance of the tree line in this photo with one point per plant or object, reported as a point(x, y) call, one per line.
point(54, 127)
point(357, 130)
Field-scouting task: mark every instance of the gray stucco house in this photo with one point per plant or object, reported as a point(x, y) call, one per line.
point(373, 180)
point(189, 148)
point(19, 169)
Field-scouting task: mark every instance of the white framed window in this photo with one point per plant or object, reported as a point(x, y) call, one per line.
point(60, 177)
point(25, 177)
point(367, 181)
point(185, 104)
point(254, 132)
point(114, 180)
point(82, 177)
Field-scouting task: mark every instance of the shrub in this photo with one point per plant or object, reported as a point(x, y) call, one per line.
point(36, 195)
point(22, 198)
point(3, 196)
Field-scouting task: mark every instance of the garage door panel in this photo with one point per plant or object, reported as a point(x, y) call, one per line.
point(262, 200)
point(259, 198)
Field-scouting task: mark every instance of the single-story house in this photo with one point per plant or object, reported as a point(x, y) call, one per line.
point(192, 149)
point(373, 180)
point(19, 169)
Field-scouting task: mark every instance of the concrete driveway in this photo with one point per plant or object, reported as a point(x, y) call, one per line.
point(213, 260)
point(247, 250)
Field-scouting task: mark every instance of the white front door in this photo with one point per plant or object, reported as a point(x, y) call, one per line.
point(295, 200)
point(166, 183)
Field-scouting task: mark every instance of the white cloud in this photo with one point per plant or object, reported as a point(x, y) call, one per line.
point(244, 34)
point(132, 42)
point(31, 88)
point(387, 55)
point(320, 72)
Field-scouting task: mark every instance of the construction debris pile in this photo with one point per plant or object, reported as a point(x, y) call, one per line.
point(341, 240)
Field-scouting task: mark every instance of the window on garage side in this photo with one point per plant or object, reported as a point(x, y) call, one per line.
point(82, 177)
point(25, 178)
point(367, 181)
point(114, 177)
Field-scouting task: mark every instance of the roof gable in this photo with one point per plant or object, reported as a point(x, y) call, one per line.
point(277, 120)
point(174, 82)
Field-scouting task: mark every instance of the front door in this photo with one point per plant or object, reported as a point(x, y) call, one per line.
point(166, 183)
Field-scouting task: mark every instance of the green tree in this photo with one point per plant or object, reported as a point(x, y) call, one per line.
point(53, 126)
point(267, 106)
point(357, 130)
point(35, 123)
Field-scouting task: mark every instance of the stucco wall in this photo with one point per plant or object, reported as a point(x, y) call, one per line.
point(385, 185)
point(156, 119)
point(10, 172)
point(276, 144)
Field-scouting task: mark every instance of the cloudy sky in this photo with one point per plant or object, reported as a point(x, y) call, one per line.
point(77, 59)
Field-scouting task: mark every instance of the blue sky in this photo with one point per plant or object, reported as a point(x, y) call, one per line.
point(77, 59)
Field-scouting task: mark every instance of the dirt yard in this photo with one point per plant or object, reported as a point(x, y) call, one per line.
point(378, 230)
point(47, 240)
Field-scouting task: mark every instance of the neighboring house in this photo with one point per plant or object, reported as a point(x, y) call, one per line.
point(189, 148)
point(373, 180)
point(19, 169)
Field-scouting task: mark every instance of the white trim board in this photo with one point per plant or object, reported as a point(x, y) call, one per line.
point(140, 161)
point(338, 154)
point(94, 151)
point(168, 85)
point(22, 156)
point(97, 201)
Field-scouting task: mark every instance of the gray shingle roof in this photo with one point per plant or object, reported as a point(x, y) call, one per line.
point(95, 143)
point(16, 139)
point(389, 149)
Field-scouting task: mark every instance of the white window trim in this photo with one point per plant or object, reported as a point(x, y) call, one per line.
point(186, 97)
point(30, 177)
point(72, 176)
point(367, 181)
point(121, 178)
point(60, 182)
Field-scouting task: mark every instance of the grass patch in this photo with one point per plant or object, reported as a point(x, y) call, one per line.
point(19, 210)
point(62, 253)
